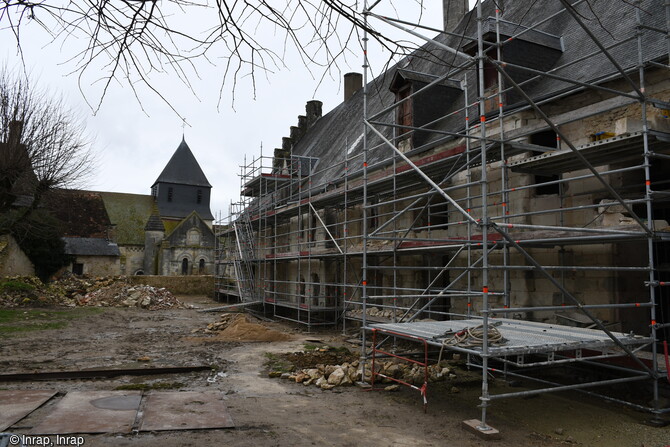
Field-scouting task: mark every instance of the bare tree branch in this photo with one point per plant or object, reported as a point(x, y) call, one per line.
point(129, 41)
point(42, 146)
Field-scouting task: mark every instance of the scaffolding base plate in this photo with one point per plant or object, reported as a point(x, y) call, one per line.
point(472, 425)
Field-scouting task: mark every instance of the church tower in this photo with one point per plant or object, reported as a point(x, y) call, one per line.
point(182, 187)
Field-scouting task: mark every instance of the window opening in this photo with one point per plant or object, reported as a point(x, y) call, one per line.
point(77, 268)
point(404, 110)
point(545, 139)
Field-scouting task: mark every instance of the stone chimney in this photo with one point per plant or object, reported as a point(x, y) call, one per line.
point(286, 144)
point(302, 123)
point(295, 134)
point(353, 82)
point(453, 11)
point(313, 109)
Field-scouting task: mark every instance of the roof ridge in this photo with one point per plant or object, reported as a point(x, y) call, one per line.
point(183, 169)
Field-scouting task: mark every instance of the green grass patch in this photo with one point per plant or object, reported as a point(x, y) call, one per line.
point(277, 364)
point(324, 348)
point(16, 286)
point(18, 320)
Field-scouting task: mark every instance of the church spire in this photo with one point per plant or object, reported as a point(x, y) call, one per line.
point(183, 169)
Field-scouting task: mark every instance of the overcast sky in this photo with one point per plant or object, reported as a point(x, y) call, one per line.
point(134, 141)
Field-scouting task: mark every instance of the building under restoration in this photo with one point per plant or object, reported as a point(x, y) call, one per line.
point(512, 173)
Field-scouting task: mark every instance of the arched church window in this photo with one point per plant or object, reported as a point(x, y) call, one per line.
point(201, 267)
point(184, 266)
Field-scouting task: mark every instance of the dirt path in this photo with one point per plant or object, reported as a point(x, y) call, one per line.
point(277, 412)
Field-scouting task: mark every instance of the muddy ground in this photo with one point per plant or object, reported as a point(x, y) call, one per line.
point(276, 412)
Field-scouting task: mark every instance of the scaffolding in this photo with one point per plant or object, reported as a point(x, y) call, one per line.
point(542, 217)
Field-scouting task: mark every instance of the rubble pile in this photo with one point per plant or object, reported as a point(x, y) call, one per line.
point(242, 327)
point(72, 287)
point(71, 291)
point(218, 326)
point(24, 291)
point(376, 312)
point(122, 294)
point(328, 377)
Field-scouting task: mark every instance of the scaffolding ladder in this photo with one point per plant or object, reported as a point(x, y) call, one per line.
point(244, 259)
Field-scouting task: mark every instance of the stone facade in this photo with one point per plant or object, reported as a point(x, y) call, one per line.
point(13, 261)
point(113, 233)
point(420, 243)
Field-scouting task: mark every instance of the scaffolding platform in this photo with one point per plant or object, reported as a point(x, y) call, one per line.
point(621, 148)
point(521, 337)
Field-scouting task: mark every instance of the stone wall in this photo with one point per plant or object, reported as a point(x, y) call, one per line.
point(12, 259)
point(132, 259)
point(179, 285)
point(98, 265)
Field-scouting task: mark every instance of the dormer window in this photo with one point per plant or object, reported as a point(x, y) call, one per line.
point(521, 46)
point(417, 106)
point(404, 110)
point(490, 75)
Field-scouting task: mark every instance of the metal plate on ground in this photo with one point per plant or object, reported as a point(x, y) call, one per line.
point(92, 412)
point(188, 410)
point(16, 404)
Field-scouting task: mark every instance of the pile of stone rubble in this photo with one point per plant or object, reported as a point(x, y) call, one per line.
point(122, 294)
point(376, 312)
point(328, 377)
point(72, 291)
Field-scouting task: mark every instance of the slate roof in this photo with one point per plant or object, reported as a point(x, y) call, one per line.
point(90, 246)
point(339, 132)
point(154, 223)
point(179, 210)
point(183, 169)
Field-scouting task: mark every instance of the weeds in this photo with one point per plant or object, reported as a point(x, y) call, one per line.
point(18, 320)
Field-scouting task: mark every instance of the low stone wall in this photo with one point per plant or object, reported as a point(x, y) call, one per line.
point(179, 285)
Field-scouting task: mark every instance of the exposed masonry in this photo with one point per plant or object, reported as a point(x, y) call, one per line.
point(394, 228)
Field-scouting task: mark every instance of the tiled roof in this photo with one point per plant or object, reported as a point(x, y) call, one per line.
point(82, 213)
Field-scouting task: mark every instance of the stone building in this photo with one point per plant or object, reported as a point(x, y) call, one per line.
point(572, 131)
point(166, 233)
